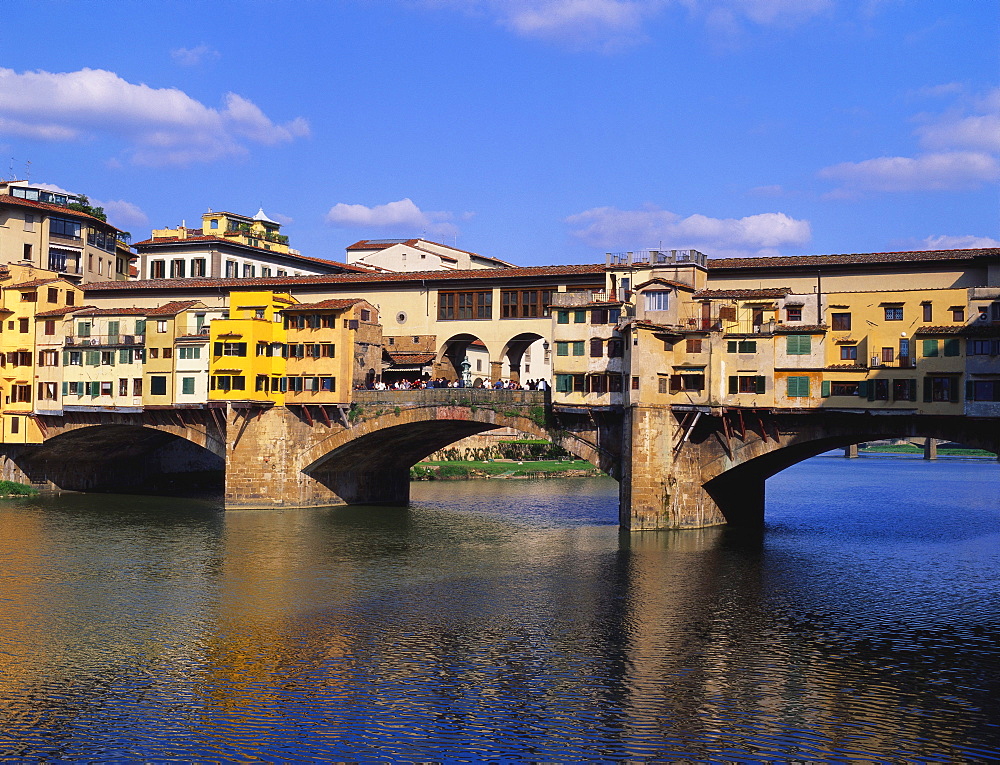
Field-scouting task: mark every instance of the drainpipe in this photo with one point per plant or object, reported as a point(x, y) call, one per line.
point(819, 297)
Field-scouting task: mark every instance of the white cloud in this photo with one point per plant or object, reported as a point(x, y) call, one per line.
point(963, 152)
point(610, 228)
point(194, 56)
point(122, 214)
point(957, 242)
point(402, 216)
point(946, 171)
point(162, 126)
point(612, 24)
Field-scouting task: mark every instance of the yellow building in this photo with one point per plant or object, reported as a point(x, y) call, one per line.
point(248, 348)
point(332, 346)
point(27, 292)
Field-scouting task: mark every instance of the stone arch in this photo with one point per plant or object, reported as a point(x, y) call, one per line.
point(735, 477)
point(369, 463)
point(455, 348)
point(118, 456)
point(513, 354)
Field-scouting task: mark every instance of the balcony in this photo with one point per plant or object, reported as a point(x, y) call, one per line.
point(91, 340)
point(900, 362)
point(656, 258)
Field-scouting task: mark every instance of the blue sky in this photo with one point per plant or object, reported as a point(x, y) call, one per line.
point(538, 131)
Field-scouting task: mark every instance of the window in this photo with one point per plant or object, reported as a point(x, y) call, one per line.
point(798, 345)
point(154, 353)
point(797, 386)
point(578, 348)
point(157, 269)
point(596, 348)
point(47, 391)
point(20, 394)
point(952, 346)
point(793, 313)
point(849, 353)
point(177, 269)
point(983, 390)
point(248, 271)
point(49, 327)
point(562, 348)
point(844, 388)
point(904, 390)
point(893, 313)
point(525, 304)
point(187, 385)
point(106, 388)
point(366, 315)
point(984, 347)
point(70, 297)
point(694, 345)
point(615, 348)
point(579, 317)
point(74, 358)
point(888, 354)
point(57, 260)
point(741, 346)
point(123, 386)
point(157, 385)
point(940, 388)
point(53, 295)
point(22, 325)
point(29, 297)
point(928, 311)
point(930, 348)
point(137, 386)
point(62, 227)
point(635, 383)
point(841, 321)
point(15, 422)
point(231, 272)
point(189, 352)
point(198, 267)
point(562, 317)
point(747, 384)
point(465, 305)
point(168, 353)
point(48, 358)
point(564, 383)
point(214, 223)
point(107, 358)
point(687, 381)
point(657, 300)
point(958, 314)
point(230, 349)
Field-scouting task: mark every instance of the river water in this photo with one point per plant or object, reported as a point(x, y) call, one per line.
point(510, 620)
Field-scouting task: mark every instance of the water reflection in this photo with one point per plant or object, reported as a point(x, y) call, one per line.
point(500, 620)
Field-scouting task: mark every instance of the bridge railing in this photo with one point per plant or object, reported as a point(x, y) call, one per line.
point(450, 397)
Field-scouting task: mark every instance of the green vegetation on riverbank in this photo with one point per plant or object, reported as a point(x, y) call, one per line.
point(14, 489)
point(430, 471)
point(911, 449)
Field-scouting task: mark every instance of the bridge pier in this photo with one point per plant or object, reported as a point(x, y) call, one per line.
point(661, 485)
point(930, 449)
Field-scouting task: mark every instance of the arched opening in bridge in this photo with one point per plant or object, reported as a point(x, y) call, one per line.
point(740, 491)
point(126, 458)
point(465, 357)
point(525, 358)
point(374, 469)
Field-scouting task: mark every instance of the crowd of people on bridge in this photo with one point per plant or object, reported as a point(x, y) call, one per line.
point(441, 382)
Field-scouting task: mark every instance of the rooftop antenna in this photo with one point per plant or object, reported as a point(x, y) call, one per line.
point(27, 171)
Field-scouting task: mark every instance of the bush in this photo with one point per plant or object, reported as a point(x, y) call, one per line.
point(12, 488)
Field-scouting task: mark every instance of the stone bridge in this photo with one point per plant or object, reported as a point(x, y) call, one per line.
point(677, 468)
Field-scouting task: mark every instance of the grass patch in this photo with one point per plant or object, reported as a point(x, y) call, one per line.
point(911, 449)
point(465, 469)
point(14, 489)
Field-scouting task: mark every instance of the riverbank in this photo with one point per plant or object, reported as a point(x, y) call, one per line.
point(457, 470)
point(942, 451)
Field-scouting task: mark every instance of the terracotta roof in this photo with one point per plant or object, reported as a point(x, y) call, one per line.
point(770, 292)
point(32, 283)
point(940, 330)
point(62, 311)
point(12, 200)
point(666, 282)
point(363, 277)
point(812, 261)
point(324, 305)
point(381, 244)
point(167, 309)
point(403, 357)
point(856, 367)
point(805, 329)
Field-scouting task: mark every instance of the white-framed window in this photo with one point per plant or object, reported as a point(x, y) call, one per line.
point(657, 300)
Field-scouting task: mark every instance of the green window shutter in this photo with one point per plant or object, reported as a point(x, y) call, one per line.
point(951, 346)
point(930, 348)
point(187, 385)
point(871, 390)
point(564, 383)
point(562, 317)
point(863, 389)
point(927, 390)
point(825, 389)
point(798, 345)
point(140, 326)
point(65, 358)
point(798, 387)
point(217, 349)
point(65, 389)
point(970, 391)
point(123, 356)
point(562, 349)
point(579, 317)
point(734, 383)
point(750, 346)
point(953, 391)
point(761, 384)
point(731, 346)
point(578, 348)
